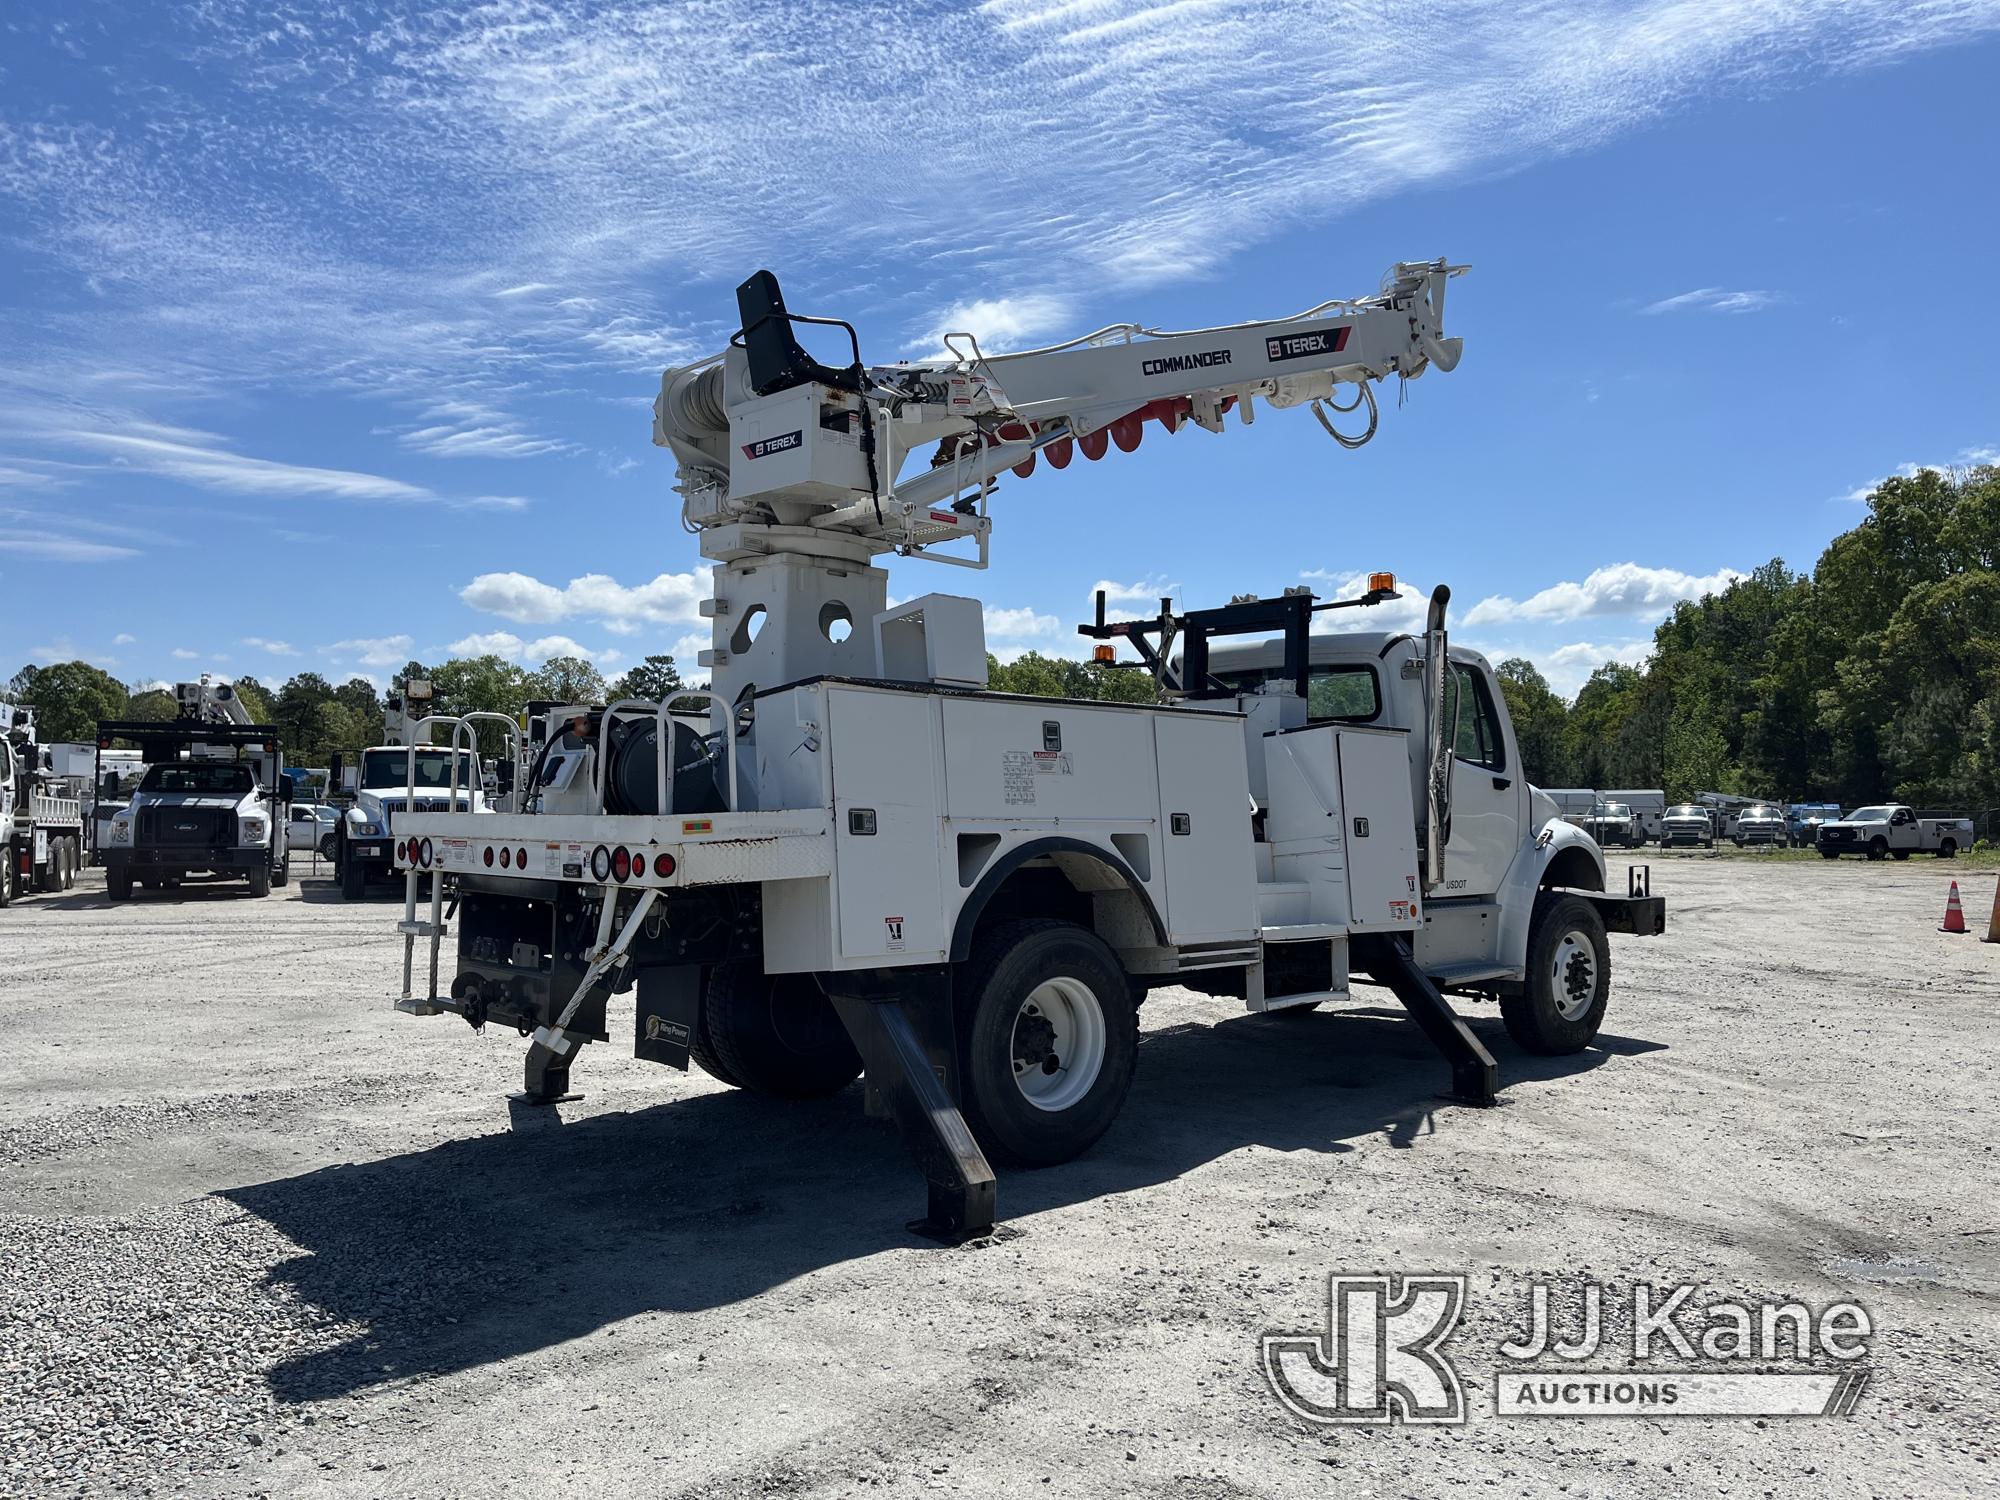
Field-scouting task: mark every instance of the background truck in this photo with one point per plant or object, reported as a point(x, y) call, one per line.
point(212, 800)
point(1648, 806)
point(1612, 825)
point(1687, 823)
point(1803, 821)
point(405, 775)
point(41, 813)
point(1893, 829)
point(1759, 823)
point(1573, 803)
point(859, 860)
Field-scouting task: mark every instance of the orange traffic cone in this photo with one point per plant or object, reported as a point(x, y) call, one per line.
point(1993, 922)
point(1954, 914)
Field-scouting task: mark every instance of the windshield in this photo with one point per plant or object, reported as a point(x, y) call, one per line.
point(198, 777)
point(1685, 810)
point(1611, 810)
point(1869, 815)
point(1761, 812)
point(384, 769)
point(1345, 691)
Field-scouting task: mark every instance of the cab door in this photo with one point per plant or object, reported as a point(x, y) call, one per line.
point(1489, 795)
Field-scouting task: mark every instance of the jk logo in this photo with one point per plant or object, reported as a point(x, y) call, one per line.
point(1379, 1359)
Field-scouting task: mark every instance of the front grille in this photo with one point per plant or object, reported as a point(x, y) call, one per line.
point(393, 805)
point(198, 827)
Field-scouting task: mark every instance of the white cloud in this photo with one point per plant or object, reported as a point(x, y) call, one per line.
point(1713, 299)
point(1968, 458)
point(1621, 589)
point(374, 650)
point(61, 548)
point(124, 638)
point(530, 653)
point(1406, 612)
point(670, 599)
point(1568, 668)
point(997, 323)
point(218, 468)
point(1019, 624)
point(525, 246)
point(1147, 591)
point(181, 653)
point(275, 648)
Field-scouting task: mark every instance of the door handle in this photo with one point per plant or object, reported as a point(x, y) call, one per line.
point(1501, 783)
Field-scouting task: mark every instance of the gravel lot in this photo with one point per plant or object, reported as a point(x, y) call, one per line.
point(262, 1235)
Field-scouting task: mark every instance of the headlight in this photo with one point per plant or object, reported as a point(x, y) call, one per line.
point(253, 830)
point(121, 831)
point(362, 828)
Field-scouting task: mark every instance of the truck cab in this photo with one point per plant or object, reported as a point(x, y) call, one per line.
point(1760, 823)
point(1687, 823)
point(198, 816)
point(381, 782)
point(1891, 829)
point(1612, 823)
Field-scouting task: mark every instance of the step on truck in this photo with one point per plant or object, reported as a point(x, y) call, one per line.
point(847, 856)
point(211, 803)
point(41, 813)
point(1892, 830)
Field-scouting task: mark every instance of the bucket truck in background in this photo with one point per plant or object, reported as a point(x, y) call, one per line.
point(406, 773)
point(212, 800)
point(41, 816)
point(846, 855)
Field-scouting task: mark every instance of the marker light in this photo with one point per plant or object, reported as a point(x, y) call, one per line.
point(488, 856)
point(621, 865)
point(600, 864)
point(425, 853)
point(506, 858)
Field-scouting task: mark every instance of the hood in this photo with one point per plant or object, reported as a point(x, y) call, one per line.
point(190, 799)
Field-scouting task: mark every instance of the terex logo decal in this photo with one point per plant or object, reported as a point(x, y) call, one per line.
point(779, 444)
point(1301, 345)
point(1173, 364)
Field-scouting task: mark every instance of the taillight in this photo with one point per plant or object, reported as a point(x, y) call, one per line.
point(520, 859)
point(621, 864)
point(638, 863)
point(663, 865)
point(506, 858)
point(600, 864)
point(488, 856)
point(424, 853)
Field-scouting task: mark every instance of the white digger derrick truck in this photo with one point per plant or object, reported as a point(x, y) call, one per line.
point(41, 817)
point(847, 855)
point(405, 773)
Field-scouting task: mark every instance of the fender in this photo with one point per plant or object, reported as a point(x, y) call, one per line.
point(990, 883)
point(1578, 853)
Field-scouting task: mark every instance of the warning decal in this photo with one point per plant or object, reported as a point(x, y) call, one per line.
point(1020, 768)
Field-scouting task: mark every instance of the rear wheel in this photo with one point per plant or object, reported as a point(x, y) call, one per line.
point(328, 846)
point(1048, 1041)
point(1948, 849)
point(775, 1034)
point(1560, 1005)
point(283, 874)
point(1900, 853)
point(72, 862)
point(6, 875)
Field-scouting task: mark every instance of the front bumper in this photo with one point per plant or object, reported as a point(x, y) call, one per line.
point(149, 857)
point(1762, 836)
point(373, 851)
point(1641, 916)
point(1692, 836)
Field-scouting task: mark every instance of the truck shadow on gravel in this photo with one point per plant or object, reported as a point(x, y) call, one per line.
point(482, 1249)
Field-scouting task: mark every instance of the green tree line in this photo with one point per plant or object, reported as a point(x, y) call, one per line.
point(1874, 676)
point(314, 716)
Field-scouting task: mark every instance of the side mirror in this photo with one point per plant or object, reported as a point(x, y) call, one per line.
point(108, 787)
point(333, 765)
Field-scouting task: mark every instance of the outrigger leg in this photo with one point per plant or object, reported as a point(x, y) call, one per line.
point(549, 1056)
point(1474, 1076)
point(901, 1023)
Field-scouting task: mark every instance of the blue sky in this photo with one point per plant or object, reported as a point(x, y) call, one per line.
point(327, 335)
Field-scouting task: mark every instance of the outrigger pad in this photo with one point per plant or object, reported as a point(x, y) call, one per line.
point(547, 1080)
point(897, 1032)
point(1474, 1075)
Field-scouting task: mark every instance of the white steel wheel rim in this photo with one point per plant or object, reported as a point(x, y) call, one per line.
point(1057, 1043)
point(1573, 972)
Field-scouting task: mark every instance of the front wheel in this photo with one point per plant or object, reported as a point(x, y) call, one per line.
point(118, 884)
point(327, 846)
point(260, 881)
point(1048, 1041)
point(283, 874)
point(353, 879)
point(1560, 1004)
point(1878, 849)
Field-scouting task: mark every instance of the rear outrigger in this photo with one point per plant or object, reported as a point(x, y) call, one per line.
point(849, 855)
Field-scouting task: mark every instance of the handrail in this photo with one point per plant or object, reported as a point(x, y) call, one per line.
point(604, 739)
point(662, 735)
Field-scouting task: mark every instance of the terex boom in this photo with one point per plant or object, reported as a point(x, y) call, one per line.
point(848, 854)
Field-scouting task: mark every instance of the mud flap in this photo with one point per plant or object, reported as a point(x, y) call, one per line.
point(901, 1023)
point(668, 1010)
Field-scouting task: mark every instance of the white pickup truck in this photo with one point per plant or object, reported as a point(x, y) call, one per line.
point(1893, 829)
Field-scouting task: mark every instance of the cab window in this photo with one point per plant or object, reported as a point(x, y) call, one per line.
point(1479, 740)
